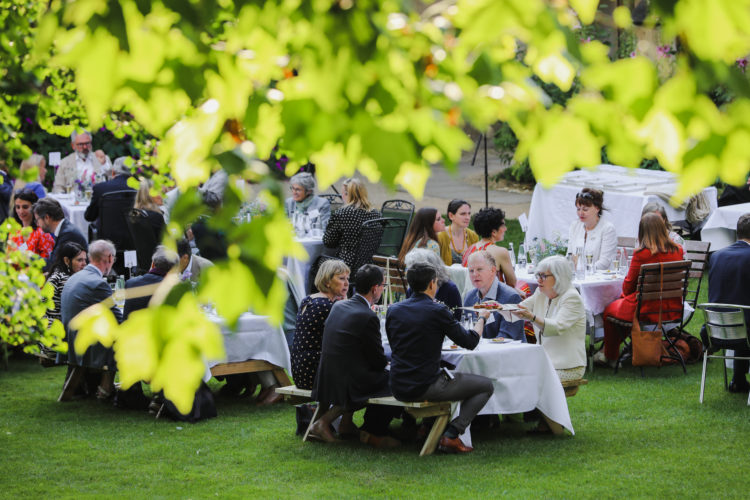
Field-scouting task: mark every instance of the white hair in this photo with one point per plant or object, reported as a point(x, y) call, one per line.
point(120, 166)
point(77, 133)
point(484, 255)
point(429, 258)
point(558, 266)
point(306, 180)
point(100, 249)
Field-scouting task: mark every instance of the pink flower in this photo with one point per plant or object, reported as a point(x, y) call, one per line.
point(632, 54)
point(742, 63)
point(664, 50)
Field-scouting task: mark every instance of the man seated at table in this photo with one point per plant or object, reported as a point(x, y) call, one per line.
point(191, 265)
point(415, 329)
point(728, 278)
point(352, 364)
point(162, 262)
point(83, 289)
point(49, 216)
point(483, 275)
point(79, 165)
point(119, 182)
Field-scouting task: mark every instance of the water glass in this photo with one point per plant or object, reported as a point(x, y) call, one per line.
point(589, 263)
point(119, 294)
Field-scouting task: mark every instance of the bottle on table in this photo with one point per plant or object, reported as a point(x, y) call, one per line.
point(580, 264)
point(521, 258)
point(512, 253)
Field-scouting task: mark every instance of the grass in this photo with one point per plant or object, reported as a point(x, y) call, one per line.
point(635, 437)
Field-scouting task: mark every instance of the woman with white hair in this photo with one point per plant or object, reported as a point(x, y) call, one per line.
point(447, 291)
point(559, 318)
point(304, 201)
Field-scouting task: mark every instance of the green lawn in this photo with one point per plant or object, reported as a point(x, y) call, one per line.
point(635, 437)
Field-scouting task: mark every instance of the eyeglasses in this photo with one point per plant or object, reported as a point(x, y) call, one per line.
point(542, 277)
point(585, 196)
point(83, 144)
point(296, 189)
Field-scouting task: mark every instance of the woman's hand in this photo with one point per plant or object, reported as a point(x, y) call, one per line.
point(524, 313)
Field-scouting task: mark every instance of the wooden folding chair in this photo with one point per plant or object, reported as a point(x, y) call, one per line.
point(395, 278)
point(659, 282)
point(697, 254)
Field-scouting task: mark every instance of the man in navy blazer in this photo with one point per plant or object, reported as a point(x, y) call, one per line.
point(415, 328)
point(49, 216)
point(162, 261)
point(483, 274)
point(118, 183)
point(728, 278)
point(83, 289)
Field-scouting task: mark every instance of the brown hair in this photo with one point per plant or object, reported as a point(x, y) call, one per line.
point(654, 235)
point(589, 197)
point(420, 231)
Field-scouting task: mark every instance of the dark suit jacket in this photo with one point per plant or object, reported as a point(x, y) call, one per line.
point(83, 289)
point(415, 328)
point(6, 191)
point(119, 183)
point(352, 361)
point(729, 276)
point(68, 232)
point(151, 278)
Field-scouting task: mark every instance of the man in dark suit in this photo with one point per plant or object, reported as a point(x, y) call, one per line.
point(83, 289)
point(162, 262)
point(118, 183)
point(728, 278)
point(49, 216)
point(416, 328)
point(352, 363)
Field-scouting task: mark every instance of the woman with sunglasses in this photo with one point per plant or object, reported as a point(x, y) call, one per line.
point(556, 311)
point(595, 236)
point(37, 241)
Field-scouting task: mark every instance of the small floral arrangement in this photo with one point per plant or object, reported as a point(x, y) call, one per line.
point(544, 248)
point(252, 209)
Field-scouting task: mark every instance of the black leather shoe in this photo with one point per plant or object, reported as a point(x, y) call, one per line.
point(738, 387)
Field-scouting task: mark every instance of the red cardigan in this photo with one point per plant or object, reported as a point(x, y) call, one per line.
point(625, 307)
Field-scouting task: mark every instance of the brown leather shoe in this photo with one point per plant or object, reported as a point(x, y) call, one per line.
point(453, 445)
point(378, 441)
point(271, 398)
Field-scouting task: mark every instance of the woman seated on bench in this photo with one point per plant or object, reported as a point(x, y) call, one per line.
point(333, 282)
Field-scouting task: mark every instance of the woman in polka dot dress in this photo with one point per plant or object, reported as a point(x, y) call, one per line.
point(333, 282)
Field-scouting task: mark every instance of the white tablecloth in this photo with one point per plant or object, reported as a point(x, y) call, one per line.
point(523, 378)
point(460, 276)
point(300, 269)
point(626, 192)
point(721, 227)
point(74, 213)
point(256, 339)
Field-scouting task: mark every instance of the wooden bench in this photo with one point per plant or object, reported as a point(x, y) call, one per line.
point(420, 409)
point(571, 386)
point(250, 366)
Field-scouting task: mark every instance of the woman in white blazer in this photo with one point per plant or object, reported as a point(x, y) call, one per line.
point(597, 237)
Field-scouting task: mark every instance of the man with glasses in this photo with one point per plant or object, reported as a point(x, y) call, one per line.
point(83, 289)
point(80, 165)
point(483, 275)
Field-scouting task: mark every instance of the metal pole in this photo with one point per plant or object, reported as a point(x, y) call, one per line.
point(486, 176)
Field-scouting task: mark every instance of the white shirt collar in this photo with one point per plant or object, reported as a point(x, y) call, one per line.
point(363, 298)
point(59, 226)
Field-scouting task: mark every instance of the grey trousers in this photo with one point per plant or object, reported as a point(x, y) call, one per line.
point(472, 390)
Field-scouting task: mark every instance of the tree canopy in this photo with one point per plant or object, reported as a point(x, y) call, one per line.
point(380, 87)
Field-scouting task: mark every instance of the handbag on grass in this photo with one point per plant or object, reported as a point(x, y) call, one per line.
point(648, 349)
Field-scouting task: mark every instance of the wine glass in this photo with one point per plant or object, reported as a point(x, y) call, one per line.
point(119, 294)
point(589, 263)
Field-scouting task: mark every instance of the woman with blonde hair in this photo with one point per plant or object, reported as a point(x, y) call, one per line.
point(38, 161)
point(150, 207)
point(345, 225)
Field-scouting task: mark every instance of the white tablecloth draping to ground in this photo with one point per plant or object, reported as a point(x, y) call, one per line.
point(721, 227)
point(255, 338)
point(626, 192)
point(523, 378)
point(300, 269)
point(73, 212)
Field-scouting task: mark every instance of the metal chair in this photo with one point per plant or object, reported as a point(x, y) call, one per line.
point(334, 199)
point(144, 238)
point(398, 209)
point(659, 282)
point(394, 231)
point(725, 329)
point(395, 278)
point(112, 224)
point(697, 254)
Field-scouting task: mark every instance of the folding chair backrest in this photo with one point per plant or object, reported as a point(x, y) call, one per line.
point(697, 254)
point(369, 240)
point(663, 281)
point(394, 231)
point(395, 275)
point(334, 199)
point(143, 236)
point(398, 209)
point(725, 321)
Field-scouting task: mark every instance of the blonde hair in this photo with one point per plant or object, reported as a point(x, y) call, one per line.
point(34, 160)
point(327, 271)
point(357, 193)
point(143, 199)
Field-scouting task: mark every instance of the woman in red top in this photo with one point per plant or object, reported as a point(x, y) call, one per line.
point(655, 246)
point(38, 241)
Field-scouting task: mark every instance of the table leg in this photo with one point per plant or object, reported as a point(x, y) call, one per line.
point(438, 427)
point(557, 429)
point(71, 383)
